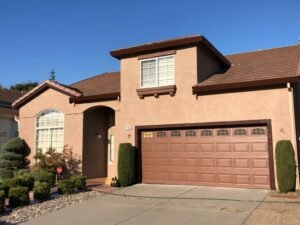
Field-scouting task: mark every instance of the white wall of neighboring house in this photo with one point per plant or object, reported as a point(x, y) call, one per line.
point(8, 128)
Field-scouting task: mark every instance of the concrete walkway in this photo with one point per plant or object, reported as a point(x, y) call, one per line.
point(161, 205)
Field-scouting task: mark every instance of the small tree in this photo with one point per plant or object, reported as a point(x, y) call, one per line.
point(126, 165)
point(285, 166)
point(24, 87)
point(51, 159)
point(13, 156)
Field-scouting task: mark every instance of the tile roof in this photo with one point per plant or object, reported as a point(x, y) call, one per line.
point(101, 84)
point(9, 96)
point(261, 65)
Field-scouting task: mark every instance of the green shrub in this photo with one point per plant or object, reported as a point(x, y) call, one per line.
point(23, 171)
point(15, 145)
point(65, 187)
point(12, 182)
point(13, 157)
point(2, 200)
point(5, 174)
point(5, 188)
point(44, 176)
point(41, 191)
point(27, 180)
point(79, 182)
point(126, 165)
point(18, 196)
point(285, 166)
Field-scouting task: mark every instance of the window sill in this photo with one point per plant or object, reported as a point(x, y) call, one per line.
point(156, 91)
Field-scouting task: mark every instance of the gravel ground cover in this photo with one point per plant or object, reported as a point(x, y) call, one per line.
point(36, 209)
point(276, 211)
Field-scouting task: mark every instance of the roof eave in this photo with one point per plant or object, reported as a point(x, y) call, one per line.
point(172, 44)
point(41, 88)
point(95, 98)
point(197, 89)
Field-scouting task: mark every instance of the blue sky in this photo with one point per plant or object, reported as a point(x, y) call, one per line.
point(75, 37)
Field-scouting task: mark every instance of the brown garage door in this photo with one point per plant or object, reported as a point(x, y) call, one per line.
point(234, 157)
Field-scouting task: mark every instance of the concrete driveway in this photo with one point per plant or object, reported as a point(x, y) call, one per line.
point(161, 205)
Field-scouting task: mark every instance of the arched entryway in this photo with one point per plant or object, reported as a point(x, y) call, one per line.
point(97, 123)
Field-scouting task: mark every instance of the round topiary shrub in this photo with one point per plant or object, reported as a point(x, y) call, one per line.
point(18, 196)
point(13, 157)
point(5, 174)
point(126, 165)
point(65, 187)
point(44, 176)
point(79, 182)
point(2, 201)
point(285, 166)
point(41, 191)
point(27, 180)
point(12, 182)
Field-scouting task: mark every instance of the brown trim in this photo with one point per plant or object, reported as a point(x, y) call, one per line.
point(266, 122)
point(156, 91)
point(24, 99)
point(95, 98)
point(157, 54)
point(246, 84)
point(167, 45)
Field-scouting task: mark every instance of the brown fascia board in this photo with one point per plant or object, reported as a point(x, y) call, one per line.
point(24, 99)
point(95, 98)
point(168, 45)
point(247, 84)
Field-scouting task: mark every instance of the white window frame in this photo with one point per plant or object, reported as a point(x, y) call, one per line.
point(156, 61)
point(111, 149)
point(48, 128)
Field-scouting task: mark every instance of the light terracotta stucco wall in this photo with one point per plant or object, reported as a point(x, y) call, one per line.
point(73, 119)
point(185, 107)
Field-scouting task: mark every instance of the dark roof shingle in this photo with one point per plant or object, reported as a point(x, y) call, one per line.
point(9, 96)
point(258, 66)
point(102, 84)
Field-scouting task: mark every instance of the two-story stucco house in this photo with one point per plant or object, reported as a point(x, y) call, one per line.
point(8, 123)
point(195, 116)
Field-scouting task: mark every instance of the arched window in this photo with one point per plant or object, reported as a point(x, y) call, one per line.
point(258, 131)
point(240, 132)
point(50, 130)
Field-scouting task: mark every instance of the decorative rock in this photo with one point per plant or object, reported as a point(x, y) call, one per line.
point(36, 209)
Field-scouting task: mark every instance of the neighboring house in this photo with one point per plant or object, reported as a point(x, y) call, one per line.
point(8, 123)
point(195, 116)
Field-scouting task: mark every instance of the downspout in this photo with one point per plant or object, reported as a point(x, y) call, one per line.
point(294, 140)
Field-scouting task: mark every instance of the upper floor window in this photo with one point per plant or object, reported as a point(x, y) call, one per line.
point(156, 72)
point(50, 130)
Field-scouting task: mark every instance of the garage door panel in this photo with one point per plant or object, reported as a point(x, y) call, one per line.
point(207, 162)
point(241, 147)
point(191, 147)
point(230, 157)
point(207, 147)
point(224, 178)
point(243, 179)
point(241, 163)
point(223, 147)
point(224, 162)
point(259, 163)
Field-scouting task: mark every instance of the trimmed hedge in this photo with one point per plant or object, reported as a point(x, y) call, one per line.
point(13, 157)
point(65, 187)
point(285, 166)
point(27, 180)
point(41, 191)
point(79, 182)
point(44, 176)
point(126, 165)
point(18, 196)
point(2, 200)
point(5, 174)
